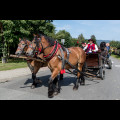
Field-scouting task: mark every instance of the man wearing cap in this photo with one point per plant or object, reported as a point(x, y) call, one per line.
point(91, 47)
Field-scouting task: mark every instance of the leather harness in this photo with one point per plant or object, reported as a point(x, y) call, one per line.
point(53, 52)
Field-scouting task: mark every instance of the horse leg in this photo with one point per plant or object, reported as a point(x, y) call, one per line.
point(33, 75)
point(53, 77)
point(61, 76)
point(78, 77)
point(35, 79)
point(76, 84)
point(57, 86)
point(34, 84)
point(82, 81)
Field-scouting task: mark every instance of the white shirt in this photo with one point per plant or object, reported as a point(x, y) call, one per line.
point(96, 48)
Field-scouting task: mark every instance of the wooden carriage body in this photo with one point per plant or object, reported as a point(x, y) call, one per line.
point(93, 60)
point(94, 65)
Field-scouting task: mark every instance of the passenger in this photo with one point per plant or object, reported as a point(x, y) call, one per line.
point(83, 45)
point(108, 49)
point(91, 47)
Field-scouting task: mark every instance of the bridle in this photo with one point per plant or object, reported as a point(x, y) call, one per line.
point(36, 46)
point(36, 49)
point(38, 40)
point(22, 49)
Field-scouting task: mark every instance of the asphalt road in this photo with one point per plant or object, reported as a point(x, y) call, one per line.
point(20, 88)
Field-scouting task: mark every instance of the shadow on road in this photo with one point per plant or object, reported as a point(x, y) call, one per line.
point(67, 81)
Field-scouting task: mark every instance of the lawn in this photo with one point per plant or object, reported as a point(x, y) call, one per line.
point(12, 64)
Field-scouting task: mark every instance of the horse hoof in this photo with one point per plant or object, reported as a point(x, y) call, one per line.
point(82, 83)
point(55, 93)
point(75, 88)
point(50, 94)
point(33, 87)
point(38, 81)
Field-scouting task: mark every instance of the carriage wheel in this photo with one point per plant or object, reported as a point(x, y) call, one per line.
point(110, 64)
point(102, 74)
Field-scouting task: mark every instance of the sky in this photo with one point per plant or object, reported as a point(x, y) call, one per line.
point(102, 29)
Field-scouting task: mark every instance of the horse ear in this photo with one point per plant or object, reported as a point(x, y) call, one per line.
point(34, 35)
point(24, 39)
point(20, 39)
point(37, 35)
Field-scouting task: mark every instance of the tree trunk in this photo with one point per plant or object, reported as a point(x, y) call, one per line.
point(4, 58)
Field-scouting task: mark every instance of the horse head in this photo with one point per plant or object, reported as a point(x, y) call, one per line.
point(39, 44)
point(33, 48)
point(22, 46)
point(102, 46)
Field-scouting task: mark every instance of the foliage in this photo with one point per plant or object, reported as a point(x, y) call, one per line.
point(94, 38)
point(12, 30)
point(116, 56)
point(74, 42)
point(62, 34)
point(115, 44)
point(81, 39)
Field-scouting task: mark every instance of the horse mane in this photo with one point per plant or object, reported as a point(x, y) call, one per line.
point(50, 40)
point(26, 41)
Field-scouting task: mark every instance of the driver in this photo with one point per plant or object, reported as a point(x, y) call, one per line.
point(91, 47)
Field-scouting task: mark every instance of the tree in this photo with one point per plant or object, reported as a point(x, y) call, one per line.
point(94, 38)
point(45, 26)
point(115, 44)
point(74, 42)
point(81, 39)
point(11, 30)
point(62, 34)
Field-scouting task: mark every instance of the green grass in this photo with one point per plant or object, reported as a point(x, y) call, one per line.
point(12, 64)
point(116, 56)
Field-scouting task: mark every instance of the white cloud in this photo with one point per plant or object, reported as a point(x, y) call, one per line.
point(65, 27)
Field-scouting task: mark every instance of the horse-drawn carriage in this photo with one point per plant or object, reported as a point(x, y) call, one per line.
point(58, 58)
point(94, 65)
point(95, 62)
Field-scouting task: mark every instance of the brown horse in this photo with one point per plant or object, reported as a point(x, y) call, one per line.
point(33, 65)
point(47, 45)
